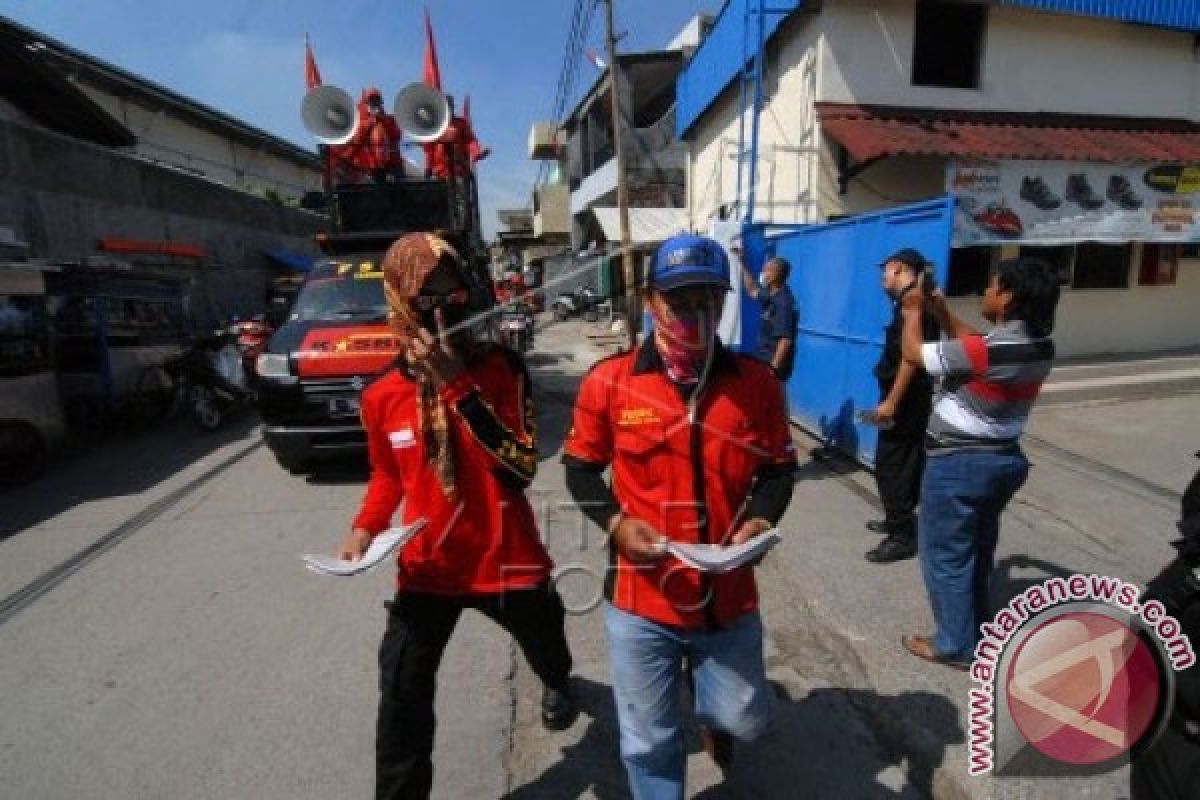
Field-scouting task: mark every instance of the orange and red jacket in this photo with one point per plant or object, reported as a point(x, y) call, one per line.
point(456, 151)
point(485, 540)
point(688, 474)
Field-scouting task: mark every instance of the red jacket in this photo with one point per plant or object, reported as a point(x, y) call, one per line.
point(687, 478)
point(486, 541)
point(458, 148)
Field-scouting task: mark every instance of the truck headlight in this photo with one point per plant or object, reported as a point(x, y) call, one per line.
point(274, 366)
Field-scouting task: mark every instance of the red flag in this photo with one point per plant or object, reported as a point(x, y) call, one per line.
point(433, 74)
point(312, 75)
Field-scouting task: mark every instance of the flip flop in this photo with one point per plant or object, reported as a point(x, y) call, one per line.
point(922, 648)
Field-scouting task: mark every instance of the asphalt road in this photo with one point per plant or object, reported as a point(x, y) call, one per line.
point(159, 636)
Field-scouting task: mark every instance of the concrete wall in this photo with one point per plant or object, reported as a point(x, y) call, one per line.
point(1032, 62)
point(787, 174)
point(553, 210)
point(1139, 319)
point(61, 195)
point(172, 140)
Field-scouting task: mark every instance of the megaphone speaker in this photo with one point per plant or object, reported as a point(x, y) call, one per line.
point(330, 114)
point(422, 112)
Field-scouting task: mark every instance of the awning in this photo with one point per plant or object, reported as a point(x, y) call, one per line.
point(296, 262)
point(870, 133)
point(646, 225)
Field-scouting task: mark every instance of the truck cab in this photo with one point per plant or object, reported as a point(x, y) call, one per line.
point(335, 341)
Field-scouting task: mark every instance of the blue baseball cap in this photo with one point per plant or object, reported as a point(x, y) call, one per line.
point(688, 260)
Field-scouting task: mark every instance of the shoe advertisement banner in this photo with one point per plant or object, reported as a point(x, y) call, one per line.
point(1059, 202)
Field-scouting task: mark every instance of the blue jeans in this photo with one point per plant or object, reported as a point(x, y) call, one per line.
point(962, 495)
point(647, 663)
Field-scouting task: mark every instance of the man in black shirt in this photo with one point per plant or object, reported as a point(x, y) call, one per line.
point(902, 414)
point(777, 331)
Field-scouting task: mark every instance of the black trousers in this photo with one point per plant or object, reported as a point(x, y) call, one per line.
point(419, 627)
point(899, 462)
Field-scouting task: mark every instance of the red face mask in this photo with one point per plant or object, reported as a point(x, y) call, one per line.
point(684, 343)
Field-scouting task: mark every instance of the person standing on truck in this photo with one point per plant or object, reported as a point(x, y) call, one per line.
point(698, 442)
point(451, 433)
point(376, 142)
point(457, 151)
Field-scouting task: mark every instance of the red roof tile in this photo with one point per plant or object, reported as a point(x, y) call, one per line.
point(873, 132)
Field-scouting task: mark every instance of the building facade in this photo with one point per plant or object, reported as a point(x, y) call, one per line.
point(875, 104)
point(104, 168)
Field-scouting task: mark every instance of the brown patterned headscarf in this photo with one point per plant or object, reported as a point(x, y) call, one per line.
point(406, 267)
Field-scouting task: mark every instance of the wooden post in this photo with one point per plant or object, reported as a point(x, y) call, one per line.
point(631, 298)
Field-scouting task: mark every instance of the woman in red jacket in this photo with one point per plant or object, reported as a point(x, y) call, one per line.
point(451, 433)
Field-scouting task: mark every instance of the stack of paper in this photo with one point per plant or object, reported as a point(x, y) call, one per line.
point(716, 558)
point(382, 546)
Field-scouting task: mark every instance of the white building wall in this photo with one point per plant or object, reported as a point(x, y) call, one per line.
point(1140, 319)
point(860, 51)
point(171, 140)
point(1032, 61)
point(787, 163)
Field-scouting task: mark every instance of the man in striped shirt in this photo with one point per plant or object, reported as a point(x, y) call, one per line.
point(975, 464)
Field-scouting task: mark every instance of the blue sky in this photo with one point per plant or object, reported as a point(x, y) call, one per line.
point(245, 57)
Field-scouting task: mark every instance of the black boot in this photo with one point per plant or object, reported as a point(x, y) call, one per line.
point(893, 548)
point(877, 526)
point(558, 709)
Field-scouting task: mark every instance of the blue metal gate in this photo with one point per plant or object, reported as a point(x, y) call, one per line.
point(843, 310)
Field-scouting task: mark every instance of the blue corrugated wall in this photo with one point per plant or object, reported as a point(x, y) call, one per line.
point(1182, 14)
point(843, 310)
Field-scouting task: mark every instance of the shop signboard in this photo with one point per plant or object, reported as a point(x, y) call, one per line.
point(1059, 202)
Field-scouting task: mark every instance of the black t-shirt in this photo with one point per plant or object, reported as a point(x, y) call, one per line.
point(915, 404)
point(779, 321)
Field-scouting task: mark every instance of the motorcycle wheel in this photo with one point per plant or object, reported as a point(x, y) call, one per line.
point(205, 409)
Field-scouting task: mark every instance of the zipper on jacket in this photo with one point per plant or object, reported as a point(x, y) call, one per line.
point(697, 457)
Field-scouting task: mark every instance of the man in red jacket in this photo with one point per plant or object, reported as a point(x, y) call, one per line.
point(700, 450)
point(451, 433)
point(457, 151)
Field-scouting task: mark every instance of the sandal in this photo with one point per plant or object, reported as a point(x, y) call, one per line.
point(922, 648)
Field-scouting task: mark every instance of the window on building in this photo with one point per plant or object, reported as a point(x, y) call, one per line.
point(1060, 258)
point(1160, 264)
point(948, 44)
point(1189, 251)
point(1102, 266)
point(970, 270)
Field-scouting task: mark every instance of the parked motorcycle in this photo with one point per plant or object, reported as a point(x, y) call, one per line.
point(515, 328)
point(253, 333)
point(211, 380)
point(580, 301)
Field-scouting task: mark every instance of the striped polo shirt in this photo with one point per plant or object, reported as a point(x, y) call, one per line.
point(987, 388)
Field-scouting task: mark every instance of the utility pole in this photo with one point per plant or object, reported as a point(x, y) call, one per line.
point(631, 299)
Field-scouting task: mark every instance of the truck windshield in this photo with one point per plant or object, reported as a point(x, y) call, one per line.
point(349, 289)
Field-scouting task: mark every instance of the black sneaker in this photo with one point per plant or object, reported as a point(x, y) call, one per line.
point(1122, 193)
point(558, 709)
point(893, 548)
point(1036, 192)
point(1080, 192)
point(877, 526)
point(719, 746)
